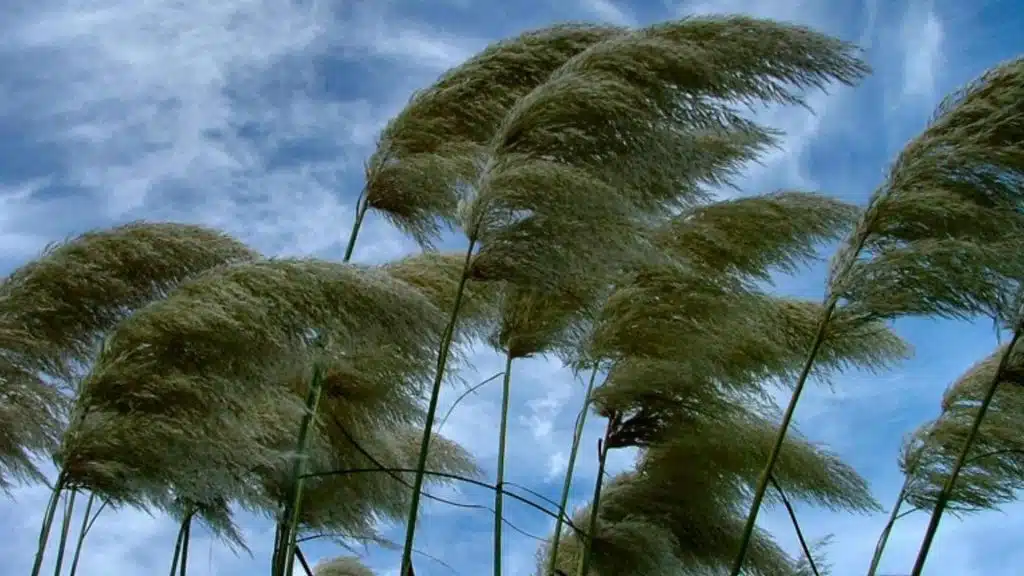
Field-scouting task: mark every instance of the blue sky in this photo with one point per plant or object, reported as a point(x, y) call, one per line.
point(256, 115)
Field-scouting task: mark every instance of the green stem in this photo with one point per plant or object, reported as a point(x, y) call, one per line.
point(796, 526)
point(435, 393)
point(186, 536)
point(773, 457)
point(361, 206)
point(177, 548)
point(947, 488)
point(298, 469)
point(65, 529)
point(499, 500)
point(567, 485)
point(82, 533)
point(602, 459)
point(48, 516)
point(883, 538)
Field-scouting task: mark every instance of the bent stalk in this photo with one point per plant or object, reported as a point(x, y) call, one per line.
point(773, 457)
point(567, 485)
point(435, 393)
point(500, 483)
point(961, 460)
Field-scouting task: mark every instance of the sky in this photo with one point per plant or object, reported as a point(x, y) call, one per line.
point(255, 116)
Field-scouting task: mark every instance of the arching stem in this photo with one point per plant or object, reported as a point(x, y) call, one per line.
point(563, 502)
point(361, 207)
point(787, 418)
point(602, 460)
point(435, 393)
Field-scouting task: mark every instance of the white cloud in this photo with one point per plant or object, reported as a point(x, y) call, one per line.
point(922, 35)
point(608, 11)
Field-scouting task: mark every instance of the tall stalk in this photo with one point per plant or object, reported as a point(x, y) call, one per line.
point(82, 532)
point(177, 549)
point(602, 459)
point(947, 488)
point(883, 538)
point(48, 516)
point(297, 480)
point(435, 393)
point(69, 509)
point(796, 527)
point(361, 207)
point(186, 536)
point(773, 457)
point(499, 497)
point(563, 502)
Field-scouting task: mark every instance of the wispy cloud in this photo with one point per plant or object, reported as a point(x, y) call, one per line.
point(922, 35)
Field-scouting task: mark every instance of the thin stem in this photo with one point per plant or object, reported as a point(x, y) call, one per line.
point(65, 529)
point(361, 206)
point(435, 393)
point(773, 457)
point(894, 515)
point(499, 501)
point(796, 526)
point(177, 548)
point(48, 516)
point(450, 476)
point(462, 397)
point(186, 536)
point(563, 503)
point(302, 560)
point(602, 459)
point(83, 531)
point(298, 468)
point(947, 488)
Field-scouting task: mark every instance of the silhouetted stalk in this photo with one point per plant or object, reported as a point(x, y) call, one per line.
point(302, 560)
point(82, 533)
point(500, 483)
point(796, 526)
point(65, 529)
point(435, 393)
point(291, 517)
point(773, 457)
point(602, 459)
point(883, 538)
point(567, 485)
point(48, 516)
point(186, 536)
point(177, 549)
point(947, 488)
point(361, 206)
